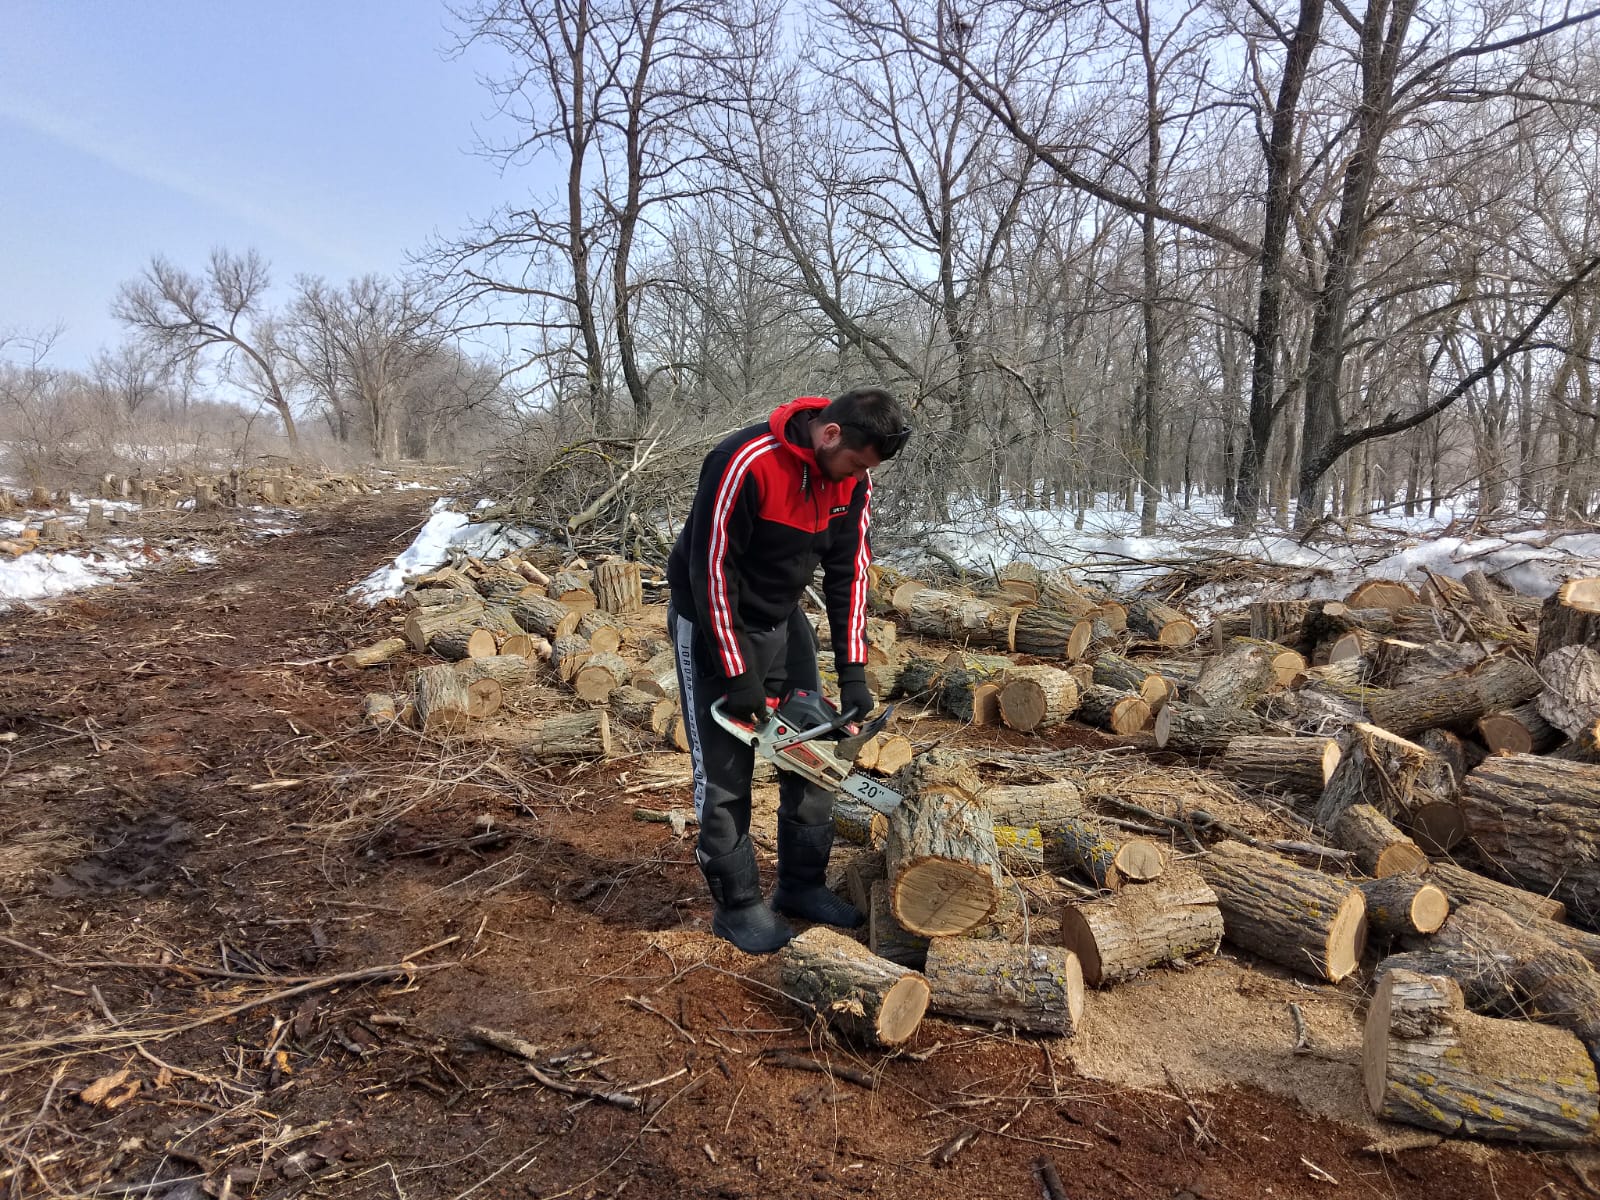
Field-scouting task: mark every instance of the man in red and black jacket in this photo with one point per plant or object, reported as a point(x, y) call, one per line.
point(774, 501)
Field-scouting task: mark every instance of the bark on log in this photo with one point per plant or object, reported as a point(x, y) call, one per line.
point(1037, 697)
point(1194, 729)
point(1288, 666)
point(544, 616)
point(375, 654)
point(953, 617)
point(380, 709)
point(1145, 925)
point(1094, 636)
point(527, 645)
point(599, 676)
point(462, 641)
point(1464, 886)
point(1079, 843)
point(1399, 663)
point(1538, 820)
point(1429, 1062)
point(508, 670)
point(658, 676)
point(568, 654)
point(447, 577)
point(1281, 621)
point(1301, 764)
point(422, 623)
point(858, 995)
point(445, 703)
point(1043, 632)
point(1570, 617)
point(1520, 730)
point(1113, 710)
point(860, 824)
point(886, 937)
point(1499, 682)
point(1037, 989)
point(1227, 626)
point(571, 736)
point(571, 589)
point(1286, 913)
point(1404, 782)
point(1403, 904)
point(1115, 671)
point(1571, 697)
point(1461, 756)
point(617, 587)
point(944, 869)
point(1033, 806)
point(1484, 978)
point(602, 631)
point(1161, 623)
point(1380, 848)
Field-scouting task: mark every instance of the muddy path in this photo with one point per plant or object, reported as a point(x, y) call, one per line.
point(245, 943)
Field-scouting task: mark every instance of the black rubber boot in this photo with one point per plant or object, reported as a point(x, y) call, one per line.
point(803, 852)
point(740, 917)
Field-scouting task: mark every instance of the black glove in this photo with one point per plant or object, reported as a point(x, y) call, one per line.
point(855, 697)
point(747, 697)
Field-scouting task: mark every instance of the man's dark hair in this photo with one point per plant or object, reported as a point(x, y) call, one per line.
point(868, 417)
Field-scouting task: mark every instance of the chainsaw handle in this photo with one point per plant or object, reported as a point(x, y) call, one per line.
point(745, 733)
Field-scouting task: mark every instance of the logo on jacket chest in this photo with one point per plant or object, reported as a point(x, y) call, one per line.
point(837, 509)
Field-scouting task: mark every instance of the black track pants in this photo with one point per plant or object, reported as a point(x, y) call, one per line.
point(787, 657)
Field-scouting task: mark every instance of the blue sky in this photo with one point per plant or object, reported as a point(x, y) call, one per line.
point(333, 137)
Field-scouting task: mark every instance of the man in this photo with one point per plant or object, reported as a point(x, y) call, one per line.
point(774, 500)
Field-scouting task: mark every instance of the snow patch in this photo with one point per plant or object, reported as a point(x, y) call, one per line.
point(445, 534)
point(39, 574)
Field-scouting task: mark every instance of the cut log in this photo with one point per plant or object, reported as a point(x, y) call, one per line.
point(1520, 730)
point(544, 616)
point(527, 645)
point(1380, 848)
point(1571, 697)
point(380, 710)
point(1537, 820)
point(599, 676)
point(944, 869)
point(1020, 579)
point(1079, 843)
point(1044, 632)
point(1286, 913)
point(1499, 682)
point(445, 703)
point(601, 630)
point(1561, 987)
point(1281, 621)
point(1227, 626)
point(858, 995)
point(508, 670)
point(1399, 663)
point(860, 824)
point(642, 710)
point(658, 676)
point(1037, 989)
point(447, 577)
point(1143, 926)
point(1484, 978)
point(1461, 756)
point(1570, 617)
point(1463, 886)
point(462, 641)
point(1382, 593)
point(1161, 623)
point(1113, 710)
point(422, 623)
point(1094, 636)
point(861, 872)
point(571, 589)
point(617, 587)
point(568, 654)
point(954, 617)
point(886, 937)
point(1403, 904)
point(1033, 806)
point(1288, 666)
point(1409, 785)
point(374, 655)
point(579, 735)
point(1037, 697)
point(1194, 729)
point(1300, 764)
point(882, 637)
point(886, 753)
point(959, 678)
point(1112, 670)
point(1429, 1062)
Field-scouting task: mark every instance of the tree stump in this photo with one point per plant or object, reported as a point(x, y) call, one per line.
point(1145, 925)
point(1037, 989)
point(617, 587)
point(1288, 914)
point(1398, 905)
point(1570, 617)
point(1429, 1062)
point(859, 996)
point(95, 522)
point(944, 868)
point(1380, 848)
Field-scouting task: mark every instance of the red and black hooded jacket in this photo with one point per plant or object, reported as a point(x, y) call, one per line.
point(764, 516)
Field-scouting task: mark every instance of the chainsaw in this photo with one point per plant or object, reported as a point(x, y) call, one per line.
point(806, 736)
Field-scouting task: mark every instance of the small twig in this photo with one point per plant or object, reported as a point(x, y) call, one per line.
point(797, 1062)
point(638, 1002)
point(514, 1045)
point(945, 1154)
point(1197, 1120)
point(1302, 1038)
point(1317, 1172)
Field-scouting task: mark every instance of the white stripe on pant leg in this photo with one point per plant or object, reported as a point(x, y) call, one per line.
point(683, 647)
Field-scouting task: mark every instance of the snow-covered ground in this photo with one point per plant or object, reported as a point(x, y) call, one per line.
point(1109, 550)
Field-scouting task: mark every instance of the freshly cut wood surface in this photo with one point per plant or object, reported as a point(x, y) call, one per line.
point(1520, 730)
point(860, 996)
point(1037, 697)
point(1380, 848)
point(374, 655)
point(599, 676)
point(1395, 776)
point(1145, 925)
point(1570, 617)
point(1038, 989)
point(1288, 665)
point(944, 868)
point(380, 709)
point(1302, 764)
point(1289, 914)
point(1113, 710)
point(571, 589)
point(1463, 885)
point(569, 652)
point(1429, 1062)
point(1538, 820)
point(603, 631)
point(1381, 593)
point(446, 703)
point(1235, 679)
point(1161, 622)
point(1403, 904)
point(658, 675)
point(458, 642)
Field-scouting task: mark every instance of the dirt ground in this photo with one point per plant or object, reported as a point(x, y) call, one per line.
point(243, 944)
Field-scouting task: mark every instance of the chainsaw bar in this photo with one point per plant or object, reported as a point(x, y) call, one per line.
point(870, 792)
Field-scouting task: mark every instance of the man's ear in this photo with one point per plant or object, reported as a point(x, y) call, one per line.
point(828, 436)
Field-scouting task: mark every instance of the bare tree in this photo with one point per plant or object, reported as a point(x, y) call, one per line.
point(186, 317)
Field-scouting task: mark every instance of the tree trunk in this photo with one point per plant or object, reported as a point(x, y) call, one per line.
point(944, 869)
point(860, 996)
point(1037, 989)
